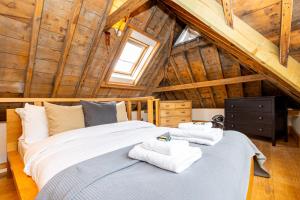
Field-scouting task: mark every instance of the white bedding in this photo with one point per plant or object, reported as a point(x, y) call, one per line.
point(45, 159)
point(22, 147)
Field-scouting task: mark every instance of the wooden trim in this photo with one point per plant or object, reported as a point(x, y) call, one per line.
point(122, 86)
point(67, 44)
point(139, 111)
point(157, 110)
point(125, 10)
point(96, 40)
point(227, 8)
point(3, 165)
point(240, 79)
point(36, 23)
point(285, 32)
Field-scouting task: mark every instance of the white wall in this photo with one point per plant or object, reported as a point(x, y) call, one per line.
point(205, 114)
point(2, 142)
point(295, 122)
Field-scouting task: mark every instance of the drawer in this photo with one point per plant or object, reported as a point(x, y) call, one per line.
point(177, 112)
point(174, 120)
point(186, 104)
point(249, 105)
point(250, 129)
point(249, 117)
point(167, 105)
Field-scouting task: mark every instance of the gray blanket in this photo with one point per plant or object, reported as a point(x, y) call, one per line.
point(221, 174)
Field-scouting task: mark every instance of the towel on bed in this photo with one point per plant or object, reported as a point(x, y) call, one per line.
point(175, 163)
point(169, 148)
point(192, 125)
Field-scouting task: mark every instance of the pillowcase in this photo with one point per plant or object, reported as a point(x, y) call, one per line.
point(99, 113)
point(34, 123)
point(63, 118)
point(121, 112)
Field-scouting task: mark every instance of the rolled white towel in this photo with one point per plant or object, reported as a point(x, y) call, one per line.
point(191, 125)
point(208, 134)
point(176, 163)
point(166, 147)
point(199, 140)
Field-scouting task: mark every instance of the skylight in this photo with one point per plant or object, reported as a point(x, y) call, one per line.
point(186, 35)
point(133, 58)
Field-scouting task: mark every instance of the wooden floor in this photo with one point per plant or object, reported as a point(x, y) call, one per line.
point(283, 163)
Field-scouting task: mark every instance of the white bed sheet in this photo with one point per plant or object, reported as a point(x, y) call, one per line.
point(22, 147)
point(45, 159)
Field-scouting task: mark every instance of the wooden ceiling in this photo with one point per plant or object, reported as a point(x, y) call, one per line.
point(54, 48)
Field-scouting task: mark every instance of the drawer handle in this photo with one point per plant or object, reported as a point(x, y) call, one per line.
point(183, 112)
point(260, 118)
point(260, 106)
point(232, 116)
point(260, 129)
point(167, 112)
point(232, 125)
point(183, 120)
point(232, 106)
point(182, 104)
point(167, 120)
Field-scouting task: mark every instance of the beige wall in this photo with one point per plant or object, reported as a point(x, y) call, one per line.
point(295, 122)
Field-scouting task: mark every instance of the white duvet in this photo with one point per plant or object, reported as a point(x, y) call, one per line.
point(45, 159)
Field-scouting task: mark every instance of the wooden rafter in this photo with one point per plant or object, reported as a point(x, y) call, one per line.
point(197, 42)
point(239, 71)
point(67, 44)
point(285, 32)
point(192, 77)
point(220, 69)
point(173, 65)
point(226, 81)
point(227, 8)
point(125, 10)
point(96, 40)
point(36, 23)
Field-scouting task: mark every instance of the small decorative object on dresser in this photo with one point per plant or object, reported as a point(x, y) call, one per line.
point(171, 113)
point(257, 116)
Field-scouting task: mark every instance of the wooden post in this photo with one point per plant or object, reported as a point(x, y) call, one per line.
point(150, 110)
point(129, 110)
point(139, 110)
point(157, 112)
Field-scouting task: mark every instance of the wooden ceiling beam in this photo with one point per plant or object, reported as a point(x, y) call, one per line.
point(125, 10)
point(36, 23)
point(227, 8)
point(285, 31)
point(197, 42)
point(226, 81)
point(67, 45)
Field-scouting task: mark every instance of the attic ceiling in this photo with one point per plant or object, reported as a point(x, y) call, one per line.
point(54, 48)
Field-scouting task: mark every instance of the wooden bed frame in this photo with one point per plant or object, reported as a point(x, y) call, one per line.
point(25, 186)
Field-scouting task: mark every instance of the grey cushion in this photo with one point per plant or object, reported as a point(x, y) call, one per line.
point(99, 113)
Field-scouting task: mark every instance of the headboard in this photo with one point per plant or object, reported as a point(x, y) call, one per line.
point(13, 121)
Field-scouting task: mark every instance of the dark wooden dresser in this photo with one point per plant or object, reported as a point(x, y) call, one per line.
point(257, 116)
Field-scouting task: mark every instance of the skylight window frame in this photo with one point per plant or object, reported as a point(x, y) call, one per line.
point(108, 80)
point(134, 67)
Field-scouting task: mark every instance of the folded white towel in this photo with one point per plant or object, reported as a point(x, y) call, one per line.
point(198, 140)
point(176, 163)
point(191, 125)
point(208, 134)
point(166, 147)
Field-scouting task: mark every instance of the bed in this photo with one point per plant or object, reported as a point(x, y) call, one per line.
point(58, 157)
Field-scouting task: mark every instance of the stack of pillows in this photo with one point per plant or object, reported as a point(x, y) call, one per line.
point(39, 122)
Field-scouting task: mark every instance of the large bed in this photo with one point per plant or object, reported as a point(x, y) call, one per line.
point(93, 163)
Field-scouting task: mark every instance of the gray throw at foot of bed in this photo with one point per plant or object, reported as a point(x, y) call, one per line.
point(221, 174)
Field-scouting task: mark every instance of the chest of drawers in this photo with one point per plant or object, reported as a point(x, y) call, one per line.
point(171, 113)
point(258, 116)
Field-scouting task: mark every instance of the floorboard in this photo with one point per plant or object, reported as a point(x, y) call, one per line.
point(283, 163)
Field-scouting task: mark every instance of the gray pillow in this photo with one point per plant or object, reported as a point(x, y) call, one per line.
point(99, 113)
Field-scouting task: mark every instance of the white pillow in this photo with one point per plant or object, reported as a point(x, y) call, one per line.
point(34, 123)
point(121, 112)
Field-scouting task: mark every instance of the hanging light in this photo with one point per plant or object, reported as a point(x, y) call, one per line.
point(120, 26)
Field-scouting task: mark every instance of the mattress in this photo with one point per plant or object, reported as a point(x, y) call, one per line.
point(22, 147)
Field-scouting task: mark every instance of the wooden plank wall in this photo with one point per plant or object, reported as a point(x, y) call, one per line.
point(199, 60)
